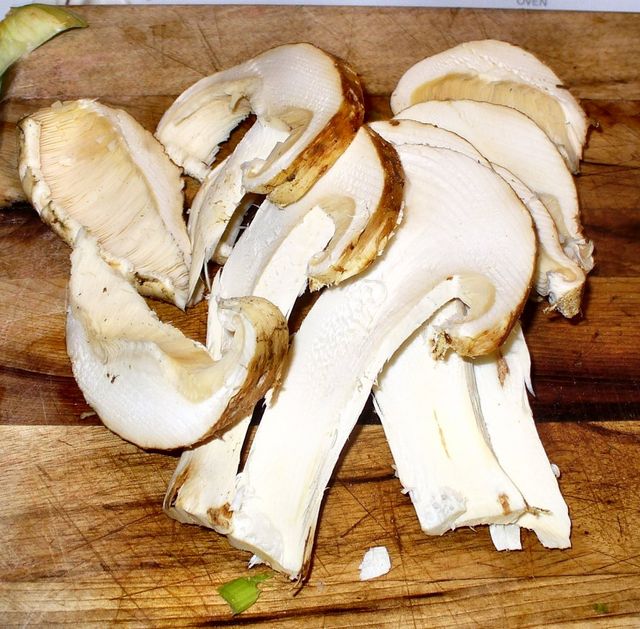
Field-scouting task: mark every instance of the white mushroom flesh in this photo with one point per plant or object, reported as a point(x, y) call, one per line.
point(504, 74)
point(430, 408)
point(512, 140)
point(437, 439)
point(501, 383)
point(465, 235)
point(85, 165)
point(148, 382)
point(217, 202)
point(334, 231)
point(308, 107)
point(557, 277)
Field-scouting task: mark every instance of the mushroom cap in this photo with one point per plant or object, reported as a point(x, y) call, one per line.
point(504, 74)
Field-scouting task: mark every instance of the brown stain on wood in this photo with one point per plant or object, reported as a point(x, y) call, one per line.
point(114, 547)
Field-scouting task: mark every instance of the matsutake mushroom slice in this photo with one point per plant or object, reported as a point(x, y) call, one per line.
point(333, 232)
point(501, 382)
point(440, 451)
point(313, 100)
point(85, 165)
point(510, 139)
point(504, 74)
point(465, 235)
point(557, 277)
point(149, 383)
point(308, 107)
point(429, 408)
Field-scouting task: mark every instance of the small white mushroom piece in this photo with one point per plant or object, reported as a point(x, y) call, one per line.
point(504, 74)
point(333, 232)
point(149, 383)
point(510, 139)
point(465, 235)
point(86, 165)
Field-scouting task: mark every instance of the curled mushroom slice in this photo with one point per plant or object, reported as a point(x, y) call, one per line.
point(512, 140)
point(504, 74)
point(85, 165)
point(333, 232)
point(501, 382)
point(465, 235)
point(148, 382)
point(557, 277)
point(297, 89)
point(308, 107)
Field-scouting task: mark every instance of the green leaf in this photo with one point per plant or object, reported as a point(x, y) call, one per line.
point(25, 28)
point(242, 593)
point(601, 608)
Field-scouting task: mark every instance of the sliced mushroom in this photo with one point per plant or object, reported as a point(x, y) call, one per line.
point(333, 232)
point(312, 97)
point(557, 276)
point(501, 382)
point(441, 455)
point(528, 154)
point(451, 423)
point(465, 235)
point(430, 409)
point(308, 107)
point(504, 74)
point(148, 382)
point(85, 165)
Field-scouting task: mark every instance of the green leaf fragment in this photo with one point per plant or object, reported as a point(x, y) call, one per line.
point(242, 593)
point(25, 28)
point(601, 608)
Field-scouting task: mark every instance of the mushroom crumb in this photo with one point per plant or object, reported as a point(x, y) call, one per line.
point(375, 563)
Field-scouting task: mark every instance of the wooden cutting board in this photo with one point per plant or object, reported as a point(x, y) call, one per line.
point(84, 538)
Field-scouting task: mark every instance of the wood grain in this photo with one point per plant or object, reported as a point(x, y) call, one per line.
point(84, 538)
point(85, 542)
